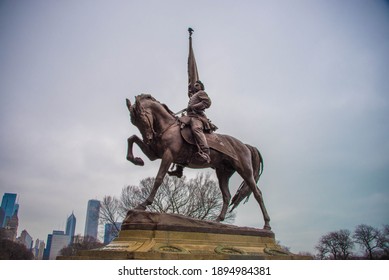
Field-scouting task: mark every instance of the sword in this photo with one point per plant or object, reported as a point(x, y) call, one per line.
point(181, 111)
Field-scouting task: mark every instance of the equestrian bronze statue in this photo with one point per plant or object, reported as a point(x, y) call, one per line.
point(190, 141)
point(165, 137)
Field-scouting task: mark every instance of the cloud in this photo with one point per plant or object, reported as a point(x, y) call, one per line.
point(304, 82)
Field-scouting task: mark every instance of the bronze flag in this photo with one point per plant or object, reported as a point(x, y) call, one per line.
point(193, 74)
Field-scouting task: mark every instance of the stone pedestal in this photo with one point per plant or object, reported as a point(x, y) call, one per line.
point(155, 236)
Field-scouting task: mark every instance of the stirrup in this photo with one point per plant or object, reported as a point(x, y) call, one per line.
point(178, 172)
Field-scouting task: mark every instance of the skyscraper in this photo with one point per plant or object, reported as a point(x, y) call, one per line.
point(92, 218)
point(111, 231)
point(2, 217)
point(46, 252)
point(55, 242)
point(71, 226)
point(11, 227)
point(25, 239)
point(8, 206)
point(38, 249)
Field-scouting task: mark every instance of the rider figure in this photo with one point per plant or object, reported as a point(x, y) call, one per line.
point(198, 102)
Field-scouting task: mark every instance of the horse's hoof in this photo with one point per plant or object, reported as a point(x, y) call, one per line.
point(138, 161)
point(267, 227)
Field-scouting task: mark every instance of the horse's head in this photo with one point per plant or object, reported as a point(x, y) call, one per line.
point(142, 116)
point(147, 114)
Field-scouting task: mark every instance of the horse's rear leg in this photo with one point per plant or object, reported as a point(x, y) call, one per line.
point(224, 176)
point(250, 181)
point(259, 198)
point(163, 168)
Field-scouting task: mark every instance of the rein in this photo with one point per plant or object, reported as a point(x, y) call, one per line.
point(167, 128)
point(146, 113)
point(150, 123)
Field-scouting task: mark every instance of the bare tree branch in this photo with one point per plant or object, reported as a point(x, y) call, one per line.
point(110, 211)
point(198, 198)
point(335, 245)
point(368, 238)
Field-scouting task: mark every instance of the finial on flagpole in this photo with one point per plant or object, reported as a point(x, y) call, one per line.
point(190, 30)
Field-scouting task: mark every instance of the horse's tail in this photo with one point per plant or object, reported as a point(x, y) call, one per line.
point(244, 190)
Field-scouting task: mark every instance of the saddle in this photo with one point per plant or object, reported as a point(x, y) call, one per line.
point(214, 140)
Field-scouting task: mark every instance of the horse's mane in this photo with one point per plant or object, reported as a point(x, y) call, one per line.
point(137, 108)
point(145, 96)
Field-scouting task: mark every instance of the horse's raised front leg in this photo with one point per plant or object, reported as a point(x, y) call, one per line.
point(145, 149)
point(167, 160)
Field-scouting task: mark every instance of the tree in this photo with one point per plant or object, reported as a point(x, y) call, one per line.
point(384, 242)
point(335, 245)
point(80, 244)
point(10, 250)
point(198, 198)
point(111, 212)
point(368, 238)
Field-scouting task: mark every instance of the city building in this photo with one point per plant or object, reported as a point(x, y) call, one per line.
point(8, 206)
point(11, 227)
point(38, 249)
point(71, 227)
point(92, 218)
point(2, 217)
point(111, 231)
point(46, 252)
point(25, 239)
point(55, 242)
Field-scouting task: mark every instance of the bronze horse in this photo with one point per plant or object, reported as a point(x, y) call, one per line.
point(161, 132)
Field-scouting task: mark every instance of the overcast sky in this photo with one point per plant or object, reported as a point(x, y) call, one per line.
point(304, 81)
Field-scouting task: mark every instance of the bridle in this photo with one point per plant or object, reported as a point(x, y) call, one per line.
point(148, 116)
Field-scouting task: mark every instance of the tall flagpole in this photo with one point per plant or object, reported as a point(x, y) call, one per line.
point(193, 74)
